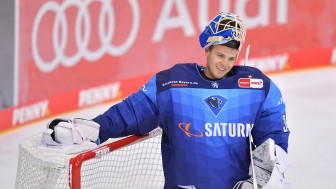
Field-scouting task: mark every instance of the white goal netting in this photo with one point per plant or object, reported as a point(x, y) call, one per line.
point(135, 166)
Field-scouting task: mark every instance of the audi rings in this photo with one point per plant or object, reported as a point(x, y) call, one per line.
point(106, 27)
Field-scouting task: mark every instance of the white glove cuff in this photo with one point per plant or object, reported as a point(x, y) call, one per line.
point(63, 133)
point(88, 130)
point(47, 139)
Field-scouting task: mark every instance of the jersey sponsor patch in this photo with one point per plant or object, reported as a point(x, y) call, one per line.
point(216, 129)
point(250, 83)
point(185, 127)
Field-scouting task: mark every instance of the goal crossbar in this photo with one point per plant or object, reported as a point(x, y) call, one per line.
point(75, 163)
point(122, 163)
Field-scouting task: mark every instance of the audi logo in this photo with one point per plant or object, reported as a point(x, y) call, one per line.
point(106, 27)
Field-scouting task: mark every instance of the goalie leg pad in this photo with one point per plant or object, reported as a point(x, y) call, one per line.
point(270, 162)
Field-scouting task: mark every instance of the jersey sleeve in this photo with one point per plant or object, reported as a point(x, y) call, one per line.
point(272, 122)
point(137, 114)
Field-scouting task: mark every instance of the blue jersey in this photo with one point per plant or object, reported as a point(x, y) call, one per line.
point(205, 123)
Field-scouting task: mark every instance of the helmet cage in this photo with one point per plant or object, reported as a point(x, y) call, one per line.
point(223, 28)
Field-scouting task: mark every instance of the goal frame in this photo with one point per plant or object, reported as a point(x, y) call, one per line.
point(75, 163)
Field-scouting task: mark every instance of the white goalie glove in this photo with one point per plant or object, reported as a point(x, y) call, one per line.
point(70, 132)
point(267, 170)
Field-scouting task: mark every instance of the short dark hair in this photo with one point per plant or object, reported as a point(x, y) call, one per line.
point(232, 44)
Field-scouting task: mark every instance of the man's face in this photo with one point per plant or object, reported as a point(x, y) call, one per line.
point(220, 60)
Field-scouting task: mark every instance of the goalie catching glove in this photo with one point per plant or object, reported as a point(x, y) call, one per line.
point(70, 132)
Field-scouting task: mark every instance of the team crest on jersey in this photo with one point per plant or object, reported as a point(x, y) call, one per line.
point(215, 103)
point(250, 83)
point(215, 85)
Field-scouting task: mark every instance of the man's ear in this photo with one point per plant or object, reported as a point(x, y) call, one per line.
point(207, 51)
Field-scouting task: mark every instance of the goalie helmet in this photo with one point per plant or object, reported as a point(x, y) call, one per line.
point(224, 28)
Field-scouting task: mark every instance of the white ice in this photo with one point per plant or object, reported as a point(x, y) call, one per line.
point(310, 96)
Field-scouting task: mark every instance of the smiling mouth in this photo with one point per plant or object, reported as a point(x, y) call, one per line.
point(221, 68)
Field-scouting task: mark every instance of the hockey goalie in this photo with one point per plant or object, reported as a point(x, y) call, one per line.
point(207, 114)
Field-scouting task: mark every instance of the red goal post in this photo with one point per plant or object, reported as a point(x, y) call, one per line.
point(130, 162)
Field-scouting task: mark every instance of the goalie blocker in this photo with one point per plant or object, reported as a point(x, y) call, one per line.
point(71, 132)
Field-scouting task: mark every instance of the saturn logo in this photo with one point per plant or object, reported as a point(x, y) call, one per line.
point(185, 128)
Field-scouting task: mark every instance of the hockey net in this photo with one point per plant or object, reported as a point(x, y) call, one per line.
point(131, 162)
